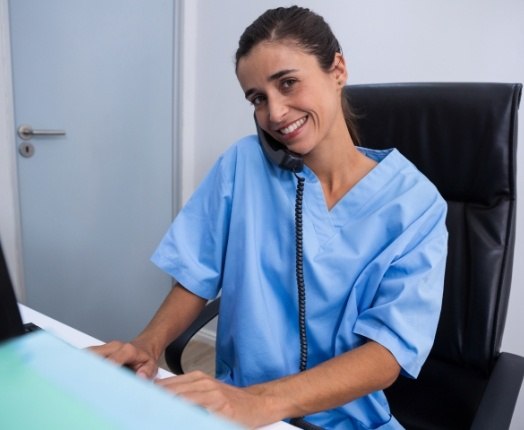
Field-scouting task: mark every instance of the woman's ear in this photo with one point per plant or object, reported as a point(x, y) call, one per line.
point(339, 69)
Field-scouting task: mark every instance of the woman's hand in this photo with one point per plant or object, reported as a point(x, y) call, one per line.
point(143, 352)
point(236, 404)
point(131, 354)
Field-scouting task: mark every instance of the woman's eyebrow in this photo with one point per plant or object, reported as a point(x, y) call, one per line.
point(271, 78)
point(279, 74)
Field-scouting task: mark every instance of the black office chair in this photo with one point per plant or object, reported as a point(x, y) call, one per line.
point(463, 137)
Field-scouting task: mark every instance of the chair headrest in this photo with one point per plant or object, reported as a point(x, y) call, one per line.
point(464, 126)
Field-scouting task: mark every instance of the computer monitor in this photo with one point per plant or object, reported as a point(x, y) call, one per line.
point(10, 319)
point(47, 383)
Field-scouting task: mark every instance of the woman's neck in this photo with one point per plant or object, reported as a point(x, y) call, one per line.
point(339, 167)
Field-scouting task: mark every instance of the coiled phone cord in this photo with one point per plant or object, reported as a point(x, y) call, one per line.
point(300, 273)
point(299, 421)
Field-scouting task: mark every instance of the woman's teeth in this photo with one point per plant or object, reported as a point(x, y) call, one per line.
point(294, 126)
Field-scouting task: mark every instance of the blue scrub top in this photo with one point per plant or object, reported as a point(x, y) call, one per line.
point(373, 268)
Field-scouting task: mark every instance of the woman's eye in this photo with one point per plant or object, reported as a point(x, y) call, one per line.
point(257, 100)
point(288, 83)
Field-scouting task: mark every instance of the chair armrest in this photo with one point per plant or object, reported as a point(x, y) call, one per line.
point(173, 352)
point(498, 401)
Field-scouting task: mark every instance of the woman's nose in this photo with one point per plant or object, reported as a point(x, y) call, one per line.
point(276, 109)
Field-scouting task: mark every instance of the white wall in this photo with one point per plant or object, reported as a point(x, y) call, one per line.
point(383, 41)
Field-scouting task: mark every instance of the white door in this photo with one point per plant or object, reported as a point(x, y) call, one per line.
point(96, 201)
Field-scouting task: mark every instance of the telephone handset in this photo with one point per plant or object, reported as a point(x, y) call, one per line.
point(277, 153)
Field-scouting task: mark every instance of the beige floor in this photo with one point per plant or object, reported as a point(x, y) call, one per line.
point(197, 356)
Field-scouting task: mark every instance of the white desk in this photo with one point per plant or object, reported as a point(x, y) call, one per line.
point(79, 339)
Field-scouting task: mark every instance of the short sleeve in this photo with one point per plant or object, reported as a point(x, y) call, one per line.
point(192, 251)
point(406, 307)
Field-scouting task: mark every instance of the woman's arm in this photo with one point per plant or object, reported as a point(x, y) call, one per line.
point(335, 382)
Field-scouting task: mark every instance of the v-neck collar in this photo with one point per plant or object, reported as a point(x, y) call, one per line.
point(328, 222)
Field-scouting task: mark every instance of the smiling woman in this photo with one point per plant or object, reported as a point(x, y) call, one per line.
point(365, 264)
point(315, 38)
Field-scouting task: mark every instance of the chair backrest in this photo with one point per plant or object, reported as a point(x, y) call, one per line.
point(463, 137)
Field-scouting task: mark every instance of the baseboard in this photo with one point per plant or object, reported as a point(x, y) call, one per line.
point(207, 336)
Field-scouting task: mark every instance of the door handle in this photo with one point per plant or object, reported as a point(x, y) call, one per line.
point(26, 132)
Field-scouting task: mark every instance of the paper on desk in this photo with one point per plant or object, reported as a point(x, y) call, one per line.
point(48, 384)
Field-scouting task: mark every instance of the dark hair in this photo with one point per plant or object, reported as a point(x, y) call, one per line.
point(308, 30)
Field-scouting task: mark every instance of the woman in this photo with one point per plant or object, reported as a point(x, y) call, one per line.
point(372, 256)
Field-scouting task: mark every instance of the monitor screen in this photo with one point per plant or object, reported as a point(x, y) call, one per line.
point(48, 384)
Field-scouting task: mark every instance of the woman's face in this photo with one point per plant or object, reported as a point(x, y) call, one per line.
point(295, 100)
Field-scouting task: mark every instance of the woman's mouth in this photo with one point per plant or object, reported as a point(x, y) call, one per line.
point(293, 126)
